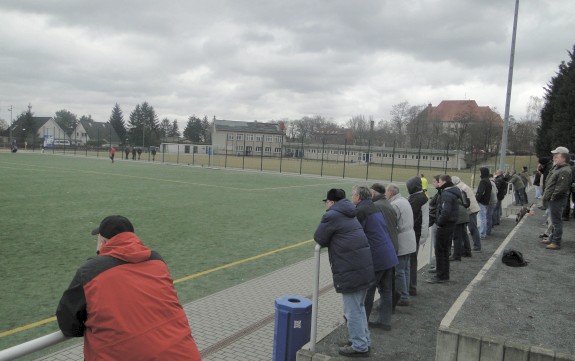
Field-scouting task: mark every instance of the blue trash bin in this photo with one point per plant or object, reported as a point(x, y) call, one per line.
point(292, 326)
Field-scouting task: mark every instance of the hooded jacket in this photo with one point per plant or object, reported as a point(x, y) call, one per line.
point(448, 205)
point(483, 194)
point(418, 200)
point(405, 233)
point(473, 205)
point(390, 217)
point(375, 228)
point(348, 248)
point(124, 304)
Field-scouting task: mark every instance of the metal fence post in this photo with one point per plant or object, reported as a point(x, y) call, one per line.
point(315, 299)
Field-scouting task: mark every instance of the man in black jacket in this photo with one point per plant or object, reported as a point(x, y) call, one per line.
point(351, 265)
point(446, 217)
point(483, 195)
point(501, 185)
point(418, 201)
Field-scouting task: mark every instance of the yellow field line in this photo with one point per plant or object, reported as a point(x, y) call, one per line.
point(195, 275)
point(241, 261)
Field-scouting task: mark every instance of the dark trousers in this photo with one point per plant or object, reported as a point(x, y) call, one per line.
point(443, 238)
point(461, 241)
point(413, 269)
point(567, 208)
point(555, 211)
point(384, 285)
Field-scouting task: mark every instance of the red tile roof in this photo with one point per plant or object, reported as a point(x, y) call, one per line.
point(453, 110)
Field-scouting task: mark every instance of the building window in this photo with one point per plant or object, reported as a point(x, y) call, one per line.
point(250, 137)
point(230, 136)
point(240, 147)
point(278, 139)
point(268, 149)
point(248, 148)
point(259, 138)
point(277, 150)
point(240, 137)
point(269, 138)
point(258, 149)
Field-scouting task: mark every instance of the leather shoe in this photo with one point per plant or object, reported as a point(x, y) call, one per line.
point(432, 270)
point(348, 351)
point(553, 246)
point(403, 303)
point(381, 326)
point(546, 241)
point(543, 235)
point(437, 280)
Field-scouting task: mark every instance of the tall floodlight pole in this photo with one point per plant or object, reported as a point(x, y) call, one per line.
point(508, 99)
point(11, 124)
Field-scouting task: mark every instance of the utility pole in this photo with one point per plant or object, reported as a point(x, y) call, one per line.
point(508, 98)
point(11, 107)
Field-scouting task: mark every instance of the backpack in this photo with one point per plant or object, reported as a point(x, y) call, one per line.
point(513, 258)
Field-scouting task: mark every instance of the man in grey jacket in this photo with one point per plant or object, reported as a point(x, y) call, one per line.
point(557, 189)
point(405, 239)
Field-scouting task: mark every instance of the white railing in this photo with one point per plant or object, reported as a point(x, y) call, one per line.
point(37, 344)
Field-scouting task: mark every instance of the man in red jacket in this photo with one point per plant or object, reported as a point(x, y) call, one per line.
point(124, 303)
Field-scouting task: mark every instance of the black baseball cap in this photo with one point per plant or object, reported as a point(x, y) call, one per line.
point(113, 225)
point(335, 195)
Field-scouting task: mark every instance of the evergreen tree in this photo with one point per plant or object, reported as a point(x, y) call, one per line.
point(25, 130)
point(207, 132)
point(557, 124)
point(67, 121)
point(193, 131)
point(117, 122)
point(175, 130)
point(165, 128)
point(136, 126)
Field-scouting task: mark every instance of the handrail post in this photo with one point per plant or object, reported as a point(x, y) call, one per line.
point(315, 299)
point(37, 344)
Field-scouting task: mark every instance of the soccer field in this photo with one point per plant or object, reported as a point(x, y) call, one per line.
point(215, 228)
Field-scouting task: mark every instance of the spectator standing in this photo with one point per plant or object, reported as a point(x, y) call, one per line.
point(518, 187)
point(127, 151)
point(378, 198)
point(557, 189)
point(123, 302)
point(432, 216)
point(382, 252)
point(134, 153)
point(154, 154)
point(139, 153)
point(418, 202)
point(446, 218)
point(526, 178)
point(461, 246)
point(491, 209)
point(483, 196)
point(405, 239)
point(472, 211)
point(351, 265)
point(501, 186)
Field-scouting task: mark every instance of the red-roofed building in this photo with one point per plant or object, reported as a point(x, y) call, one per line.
point(451, 112)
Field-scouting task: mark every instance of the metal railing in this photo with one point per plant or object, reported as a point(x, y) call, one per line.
point(37, 344)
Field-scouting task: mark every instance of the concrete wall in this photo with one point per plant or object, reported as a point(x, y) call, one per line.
point(453, 345)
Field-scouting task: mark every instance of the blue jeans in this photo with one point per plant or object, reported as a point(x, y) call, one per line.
point(402, 276)
point(482, 220)
point(472, 225)
point(384, 285)
point(354, 311)
point(555, 211)
point(498, 213)
point(519, 200)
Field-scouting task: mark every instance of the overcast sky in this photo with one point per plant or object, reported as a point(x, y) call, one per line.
point(269, 60)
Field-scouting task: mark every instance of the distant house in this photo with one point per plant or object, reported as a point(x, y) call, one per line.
point(247, 138)
point(43, 128)
point(95, 132)
point(453, 112)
